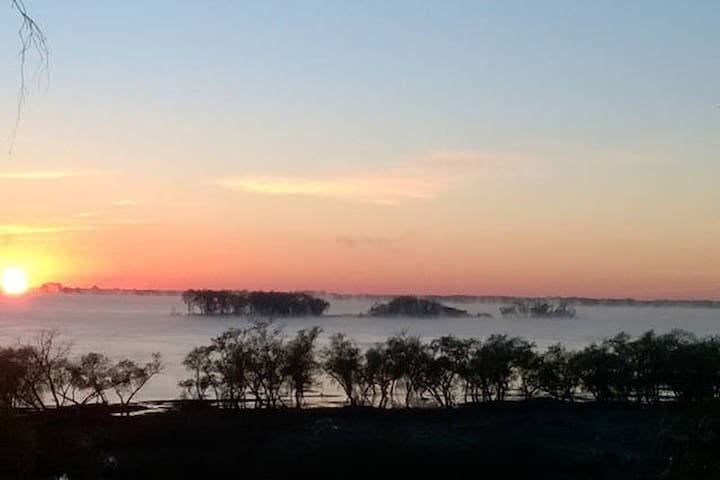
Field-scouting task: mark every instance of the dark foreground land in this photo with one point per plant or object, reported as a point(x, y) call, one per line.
point(516, 440)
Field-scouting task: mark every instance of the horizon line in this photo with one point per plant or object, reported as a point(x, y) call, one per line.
point(369, 294)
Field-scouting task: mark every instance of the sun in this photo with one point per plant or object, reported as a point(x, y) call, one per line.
point(14, 281)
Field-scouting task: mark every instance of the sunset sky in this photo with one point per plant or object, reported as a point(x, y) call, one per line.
point(506, 147)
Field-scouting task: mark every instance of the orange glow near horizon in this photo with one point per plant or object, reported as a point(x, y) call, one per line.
point(146, 257)
point(491, 237)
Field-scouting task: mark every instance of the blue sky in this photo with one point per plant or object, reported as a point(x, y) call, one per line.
point(393, 78)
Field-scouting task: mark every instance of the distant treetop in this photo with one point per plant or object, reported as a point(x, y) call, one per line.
point(415, 307)
point(266, 304)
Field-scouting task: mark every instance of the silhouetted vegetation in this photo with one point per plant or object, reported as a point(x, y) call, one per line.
point(127, 378)
point(265, 304)
point(253, 365)
point(257, 365)
point(537, 309)
point(342, 361)
point(653, 388)
point(300, 366)
point(41, 375)
point(414, 307)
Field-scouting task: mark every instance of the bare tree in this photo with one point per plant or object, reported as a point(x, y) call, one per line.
point(32, 39)
point(51, 364)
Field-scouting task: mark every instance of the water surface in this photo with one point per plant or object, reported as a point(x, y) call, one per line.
point(134, 326)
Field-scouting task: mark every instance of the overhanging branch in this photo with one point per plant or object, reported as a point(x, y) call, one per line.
point(32, 39)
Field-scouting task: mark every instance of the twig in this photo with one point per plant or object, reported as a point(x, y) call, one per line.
point(31, 38)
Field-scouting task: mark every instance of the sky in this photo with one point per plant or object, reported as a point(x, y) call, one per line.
point(430, 147)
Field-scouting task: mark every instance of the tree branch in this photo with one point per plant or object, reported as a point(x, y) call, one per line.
point(32, 39)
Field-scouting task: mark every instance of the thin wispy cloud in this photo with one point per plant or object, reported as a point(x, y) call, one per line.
point(419, 179)
point(128, 221)
point(19, 229)
point(377, 241)
point(45, 174)
point(369, 189)
point(89, 214)
point(364, 241)
point(125, 203)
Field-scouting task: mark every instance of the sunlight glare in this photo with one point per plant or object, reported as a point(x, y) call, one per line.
point(14, 281)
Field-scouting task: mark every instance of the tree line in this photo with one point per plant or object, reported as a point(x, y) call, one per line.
point(537, 308)
point(257, 366)
point(288, 304)
point(267, 304)
point(415, 307)
point(41, 374)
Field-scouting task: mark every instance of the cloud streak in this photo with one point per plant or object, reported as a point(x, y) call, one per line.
point(364, 241)
point(419, 179)
point(387, 190)
point(376, 241)
point(45, 175)
point(88, 214)
point(125, 203)
point(19, 229)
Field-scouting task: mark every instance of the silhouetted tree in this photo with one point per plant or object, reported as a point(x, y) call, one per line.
point(537, 308)
point(50, 366)
point(557, 374)
point(527, 365)
point(90, 378)
point(342, 361)
point(414, 307)
point(596, 367)
point(265, 304)
point(301, 367)
point(200, 362)
point(624, 376)
point(253, 362)
point(494, 365)
point(128, 378)
point(650, 357)
point(14, 366)
point(267, 361)
point(446, 364)
point(500, 357)
point(189, 297)
point(258, 362)
point(377, 376)
point(693, 370)
point(232, 367)
point(407, 357)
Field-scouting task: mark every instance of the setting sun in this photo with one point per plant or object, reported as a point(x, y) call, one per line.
point(14, 281)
